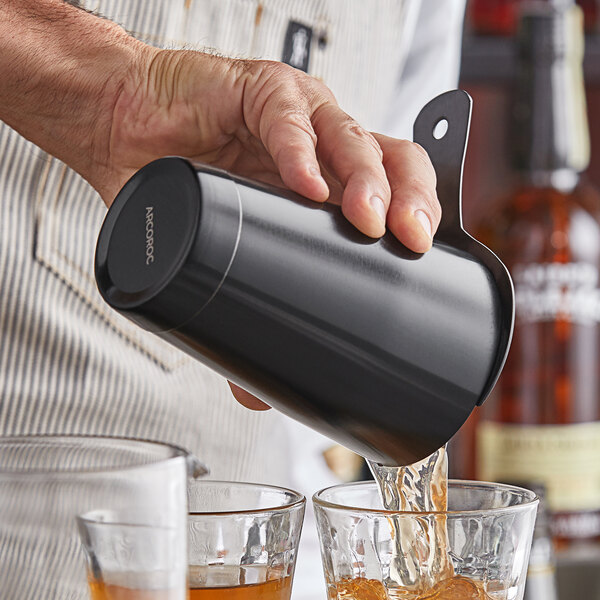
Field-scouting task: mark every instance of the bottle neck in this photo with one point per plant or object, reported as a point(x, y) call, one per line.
point(551, 138)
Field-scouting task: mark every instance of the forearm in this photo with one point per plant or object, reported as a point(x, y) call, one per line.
point(61, 71)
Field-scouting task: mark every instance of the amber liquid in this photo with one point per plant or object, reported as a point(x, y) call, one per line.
point(277, 589)
point(455, 588)
point(253, 582)
point(207, 583)
point(107, 591)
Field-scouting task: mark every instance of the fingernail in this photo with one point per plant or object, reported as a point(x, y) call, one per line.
point(424, 221)
point(379, 207)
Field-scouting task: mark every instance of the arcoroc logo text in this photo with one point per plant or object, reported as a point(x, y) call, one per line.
point(149, 234)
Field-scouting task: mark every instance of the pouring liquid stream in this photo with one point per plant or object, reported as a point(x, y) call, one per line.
point(419, 552)
point(420, 567)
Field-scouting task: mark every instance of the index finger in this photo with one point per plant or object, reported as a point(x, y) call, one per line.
point(354, 157)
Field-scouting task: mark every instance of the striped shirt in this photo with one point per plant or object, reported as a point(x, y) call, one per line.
point(68, 363)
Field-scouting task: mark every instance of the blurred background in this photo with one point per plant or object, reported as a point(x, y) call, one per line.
point(489, 73)
point(540, 428)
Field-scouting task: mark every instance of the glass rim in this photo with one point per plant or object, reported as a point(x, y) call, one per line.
point(56, 473)
point(299, 499)
point(532, 499)
point(93, 517)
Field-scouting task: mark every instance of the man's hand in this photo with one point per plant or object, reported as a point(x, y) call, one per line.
point(107, 104)
point(268, 121)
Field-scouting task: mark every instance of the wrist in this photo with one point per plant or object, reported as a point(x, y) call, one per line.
point(103, 165)
point(62, 70)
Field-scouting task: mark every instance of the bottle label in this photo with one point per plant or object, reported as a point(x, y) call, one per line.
point(551, 291)
point(564, 458)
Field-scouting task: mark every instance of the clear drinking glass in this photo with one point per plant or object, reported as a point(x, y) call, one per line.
point(46, 482)
point(482, 544)
point(242, 540)
point(129, 560)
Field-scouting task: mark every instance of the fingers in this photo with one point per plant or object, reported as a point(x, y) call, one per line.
point(354, 157)
point(292, 141)
point(277, 107)
point(247, 399)
point(414, 212)
point(385, 182)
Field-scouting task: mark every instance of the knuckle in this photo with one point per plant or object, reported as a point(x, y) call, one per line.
point(291, 132)
point(278, 78)
point(291, 82)
point(301, 82)
point(417, 150)
point(299, 119)
point(294, 124)
point(274, 68)
point(355, 130)
point(417, 188)
point(296, 89)
point(421, 156)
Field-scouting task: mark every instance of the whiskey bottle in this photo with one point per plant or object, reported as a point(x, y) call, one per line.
point(542, 423)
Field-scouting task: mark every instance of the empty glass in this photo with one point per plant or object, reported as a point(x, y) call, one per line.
point(486, 533)
point(242, 540)
point(48, 481)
